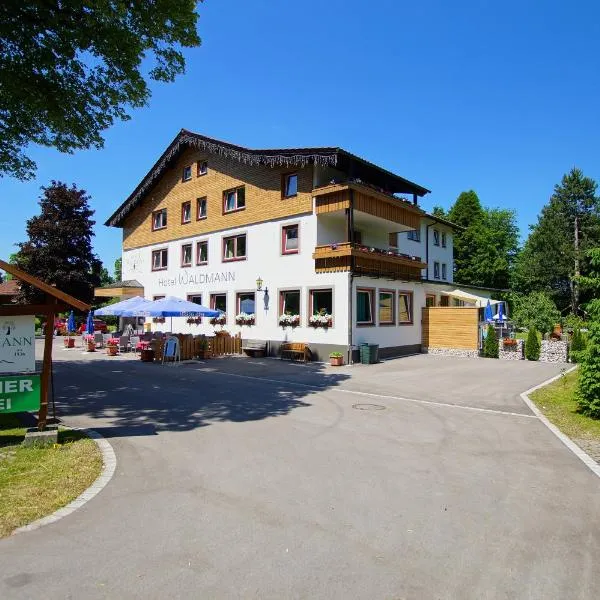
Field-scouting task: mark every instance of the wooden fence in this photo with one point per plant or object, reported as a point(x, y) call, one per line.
point(450, 327)
point(202, 346)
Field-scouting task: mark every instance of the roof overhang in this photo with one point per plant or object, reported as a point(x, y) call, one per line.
point(121, 289)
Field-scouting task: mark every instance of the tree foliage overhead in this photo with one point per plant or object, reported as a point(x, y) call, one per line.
point(485, 251)
point(568, 226)
point(59, 248)
point(69, 69)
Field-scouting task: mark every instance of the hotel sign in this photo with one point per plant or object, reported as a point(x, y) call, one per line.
point(19, 393)
point(186, 278)
point(17, 344)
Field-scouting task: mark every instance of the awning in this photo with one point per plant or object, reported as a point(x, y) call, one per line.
point(479, 301)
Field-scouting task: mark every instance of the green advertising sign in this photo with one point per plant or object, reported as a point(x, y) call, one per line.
point(19, 393)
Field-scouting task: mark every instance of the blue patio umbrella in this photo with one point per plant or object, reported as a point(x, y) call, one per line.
point(132, 307)
point(71, 326)
point(89, 324)
point(176, 307)
point(487, 315)
point(500, 315)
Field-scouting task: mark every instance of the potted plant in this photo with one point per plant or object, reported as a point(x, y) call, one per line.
point(203, 348)
point(158, 320)
point(245, 319)
point(509, 343)
point(69, 341)
point(112, 347)
point(320, 319)
point(91, 345)
point(220, 320)
point(336, 359)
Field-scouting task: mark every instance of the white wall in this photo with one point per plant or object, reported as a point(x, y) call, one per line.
point(264, 259)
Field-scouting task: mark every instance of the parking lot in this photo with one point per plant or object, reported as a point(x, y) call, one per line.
point(422, 477)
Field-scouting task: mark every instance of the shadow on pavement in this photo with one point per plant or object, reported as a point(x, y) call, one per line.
point(140, 399)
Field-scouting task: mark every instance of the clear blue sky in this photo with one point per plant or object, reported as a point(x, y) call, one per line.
point(498, 97)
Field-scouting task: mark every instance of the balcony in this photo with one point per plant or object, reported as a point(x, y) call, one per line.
point(369, 261)
point(369, 200)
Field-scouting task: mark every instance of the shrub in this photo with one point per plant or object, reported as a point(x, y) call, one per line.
point(588, 390)
point(535, 310)
point(578, 345)
point(490, 344)
point(532, 345)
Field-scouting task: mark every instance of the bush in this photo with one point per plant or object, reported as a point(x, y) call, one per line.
point(535, 310)
point(532, 345)
point(578, 345)
point(490, 344)
point(588, 390)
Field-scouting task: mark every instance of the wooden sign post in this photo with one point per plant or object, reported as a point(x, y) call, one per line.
point(56, 301)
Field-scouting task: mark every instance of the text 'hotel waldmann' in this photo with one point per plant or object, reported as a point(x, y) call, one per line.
point(310, 245)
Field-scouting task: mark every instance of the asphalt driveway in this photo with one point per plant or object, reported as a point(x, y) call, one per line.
point(424, 477)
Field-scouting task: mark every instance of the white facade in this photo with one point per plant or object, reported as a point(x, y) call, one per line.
point(440, 253)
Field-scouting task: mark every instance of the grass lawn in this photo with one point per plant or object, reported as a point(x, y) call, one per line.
point(35, 482)
point(557, 402)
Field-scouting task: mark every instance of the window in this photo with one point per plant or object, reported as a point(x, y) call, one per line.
point(444, 271)
point(357, 236)
point(405, 301)
point(364, 307)
point(444, 300)
point(186, 212)
point(321, 301)
point(186, 174)
point(159, 219)
point(436, 270)
point(159, 259)
point(201, 208)
point(436, 237)
point(186, 255)
point(444, 242)
point(219, 302)
point(386, 307)
point(195, 298)
point(429, 300)
point(246, 303)
point(202, 168)
point(290, 185)
point(202, 253)
point(234, 248)
point(289, 302)
point(157, 297)
point(414, 235)
point(234, 200)
point(393, 240)
point(289, 239)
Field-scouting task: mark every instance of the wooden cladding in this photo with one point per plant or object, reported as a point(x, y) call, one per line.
point(343, 257)
point(337, 197)
point(450, 327)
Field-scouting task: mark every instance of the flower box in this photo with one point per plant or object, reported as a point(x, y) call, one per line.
point(158, 320)
point(509, 343)
point(288, 320)
point(245, 319)
point(336, 359)
point(320, 320)
point(220, 320)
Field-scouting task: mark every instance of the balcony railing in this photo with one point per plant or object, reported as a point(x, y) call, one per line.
point(367, 260)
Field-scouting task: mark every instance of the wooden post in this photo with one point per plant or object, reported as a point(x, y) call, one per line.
point(46, 366)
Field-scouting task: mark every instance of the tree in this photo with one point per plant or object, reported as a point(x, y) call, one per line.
point(491, 348)
point(536, 309)
point(588, 387)
point(484, 252)
point(591, 282)
point(59, 248)
point(119, 269)
point(105, 277)
point(532, 345)
point(438, 211)
point(569, 225)
point(69, 69)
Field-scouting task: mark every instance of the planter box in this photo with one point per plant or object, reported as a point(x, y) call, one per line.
point(69, 342)
point(112, 350)
point(336, 361)
point(147, 355)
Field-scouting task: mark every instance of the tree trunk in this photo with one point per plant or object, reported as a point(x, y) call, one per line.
point(575, 280)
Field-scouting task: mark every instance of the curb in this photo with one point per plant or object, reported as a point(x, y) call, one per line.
point(109, 465)
point(589, 462)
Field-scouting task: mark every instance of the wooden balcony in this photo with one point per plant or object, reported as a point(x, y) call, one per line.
point(372, 262)
point(369, 200)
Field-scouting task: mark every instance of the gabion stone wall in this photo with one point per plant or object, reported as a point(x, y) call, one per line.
point(554, 351)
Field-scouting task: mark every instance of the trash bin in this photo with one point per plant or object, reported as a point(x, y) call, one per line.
point(369, 354)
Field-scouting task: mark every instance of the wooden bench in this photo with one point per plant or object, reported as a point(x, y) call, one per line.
point(256, 348)
point(295, 349)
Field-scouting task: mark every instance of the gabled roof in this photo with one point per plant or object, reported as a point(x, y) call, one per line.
point(443, 221)
point(272, 157)
point(9, 288)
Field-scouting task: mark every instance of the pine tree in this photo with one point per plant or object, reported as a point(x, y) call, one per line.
point(532, 345)
point(59, 248)
point(491, 348)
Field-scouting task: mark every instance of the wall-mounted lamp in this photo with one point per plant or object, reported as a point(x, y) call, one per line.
point(259, 283)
